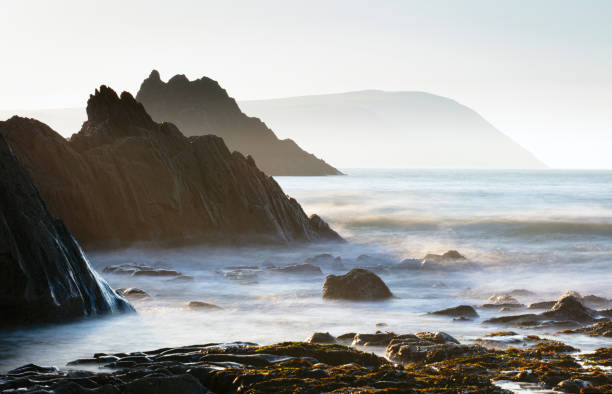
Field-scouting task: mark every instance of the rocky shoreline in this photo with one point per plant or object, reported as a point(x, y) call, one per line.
point(422, 362)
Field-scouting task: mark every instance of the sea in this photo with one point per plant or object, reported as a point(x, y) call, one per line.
point(546, 232)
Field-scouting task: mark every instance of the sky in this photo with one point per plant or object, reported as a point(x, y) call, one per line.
point(540, 71)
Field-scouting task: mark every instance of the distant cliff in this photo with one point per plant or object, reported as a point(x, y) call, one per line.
point(202, 107)
point(125, 178)
point(377, 129)
point(45, 276)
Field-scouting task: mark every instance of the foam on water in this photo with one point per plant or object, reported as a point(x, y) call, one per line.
point(547, 232)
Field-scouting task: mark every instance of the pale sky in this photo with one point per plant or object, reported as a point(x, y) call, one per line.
point(540, 71)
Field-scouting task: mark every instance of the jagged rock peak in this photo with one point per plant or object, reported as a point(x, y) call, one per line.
point(154, 75)
point(105, 106)
point(202, 106)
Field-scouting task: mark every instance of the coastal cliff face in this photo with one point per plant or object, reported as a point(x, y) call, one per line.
point(202, 107)
point(45, 275)
point(125, 178)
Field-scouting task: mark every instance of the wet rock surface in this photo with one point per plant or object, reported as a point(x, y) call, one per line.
point(356, 285)
point(202, 107)
point(44, 274)
point(290, 367)
point(125, 178)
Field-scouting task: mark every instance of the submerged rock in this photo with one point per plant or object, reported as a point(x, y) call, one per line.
point(458, 311)
point(199, 305)
point(45, 274)
point(202, 107)
point(302, 269)
point(125, 178)
point(357, 285)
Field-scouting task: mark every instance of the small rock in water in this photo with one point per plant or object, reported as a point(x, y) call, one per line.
point(348, 337)
point(156, 272)
point(133, 293)
point(449, 255)
point(357, 285)
point(202, 305)
point(461, 310)
point(381, 324)
point(321, 337)
point(302, 269)
point(408, 264)
point(503, 299)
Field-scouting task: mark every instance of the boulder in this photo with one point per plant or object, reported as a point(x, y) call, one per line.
point(202, 107)
point(45, 274)
point(321, 337)
point(570, 308)
point(124, 178)
point(357, 285)
point(458, 311)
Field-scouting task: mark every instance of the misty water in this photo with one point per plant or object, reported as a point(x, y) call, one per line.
point(544, 231)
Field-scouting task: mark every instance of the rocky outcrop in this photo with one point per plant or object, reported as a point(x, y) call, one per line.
point(45, 275)
point(202, 107)
point(124, 178)
point(357, 285)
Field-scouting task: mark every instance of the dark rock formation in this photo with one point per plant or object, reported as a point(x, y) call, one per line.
point(44, 274)
point(458, 311)
point(125, 178)
point(202, 107)
point(358, 285)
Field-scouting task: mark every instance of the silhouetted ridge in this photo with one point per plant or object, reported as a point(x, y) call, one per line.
point(201, 107)
point(45, 276)
point(124, 178)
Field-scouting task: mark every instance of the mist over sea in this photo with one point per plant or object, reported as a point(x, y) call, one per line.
point(544, 231)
